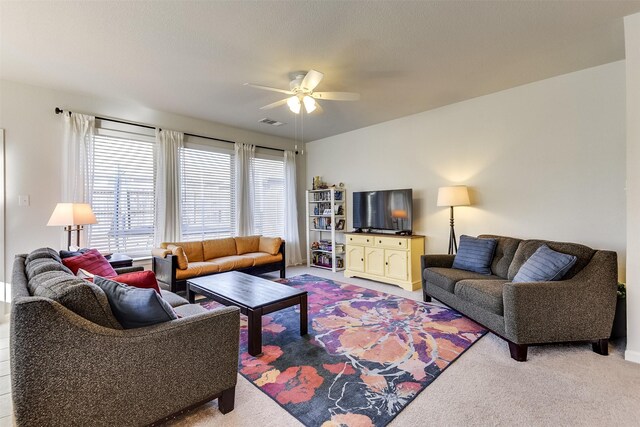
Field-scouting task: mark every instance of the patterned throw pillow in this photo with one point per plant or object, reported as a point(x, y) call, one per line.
point(91, 261)
point(475, 254)
point(545, 265)
point(135, 307)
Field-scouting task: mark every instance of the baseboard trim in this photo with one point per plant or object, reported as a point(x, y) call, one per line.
point(632, 356)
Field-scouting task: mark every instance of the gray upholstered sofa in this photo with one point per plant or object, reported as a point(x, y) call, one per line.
point(580, 307)
point(68, 370)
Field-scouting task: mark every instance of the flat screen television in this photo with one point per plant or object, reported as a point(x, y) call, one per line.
point(383, 210)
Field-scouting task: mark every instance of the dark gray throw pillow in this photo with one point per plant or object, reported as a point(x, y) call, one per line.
point(475, 254)
point(545, 265)
point(135, 307)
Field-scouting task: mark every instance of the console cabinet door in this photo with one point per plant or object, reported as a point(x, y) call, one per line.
point(374, 261)
point(396, 264)
point(355, 258)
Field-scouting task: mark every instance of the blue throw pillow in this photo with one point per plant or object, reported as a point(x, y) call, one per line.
point(475, 254)
point(545, 265)
point(135, 307)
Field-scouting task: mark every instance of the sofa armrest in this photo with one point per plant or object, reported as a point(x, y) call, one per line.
point(437, 260)
point(578, 309)
point(123, 270)
point(165, 270)
point(103, 376)
point(160, 252)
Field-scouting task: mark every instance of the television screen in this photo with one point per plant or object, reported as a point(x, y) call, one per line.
point(383, 210)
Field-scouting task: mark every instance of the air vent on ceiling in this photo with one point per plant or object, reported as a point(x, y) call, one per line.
point(271, 122)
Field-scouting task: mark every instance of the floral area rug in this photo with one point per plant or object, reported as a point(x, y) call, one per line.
point(366, 357)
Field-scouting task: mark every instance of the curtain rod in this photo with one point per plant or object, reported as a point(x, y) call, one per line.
point(60, 111)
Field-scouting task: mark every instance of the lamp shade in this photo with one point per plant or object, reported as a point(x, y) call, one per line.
point(457, 195)
point(72, 214)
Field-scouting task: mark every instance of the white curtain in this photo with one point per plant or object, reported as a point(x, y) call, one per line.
point(244, 155)
point(291, 236)
point(167, 226)
point(79, 134)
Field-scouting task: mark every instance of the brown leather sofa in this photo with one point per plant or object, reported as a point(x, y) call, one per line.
point(176, 262)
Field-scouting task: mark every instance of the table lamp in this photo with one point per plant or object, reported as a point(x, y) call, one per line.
point(72, 216)
point(457, 195)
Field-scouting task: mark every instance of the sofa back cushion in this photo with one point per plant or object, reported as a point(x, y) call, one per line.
point(270, 245)
point(247, 244)
point(193, 250)
point(83, 298)
point(503, 256)
point(217, 248)
point(527, 248)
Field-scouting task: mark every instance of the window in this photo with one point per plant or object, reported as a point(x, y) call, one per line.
point(123, 193)
point(269, 196)
point(208, 192)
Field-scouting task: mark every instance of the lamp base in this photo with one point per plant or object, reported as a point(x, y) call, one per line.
point(453, 246)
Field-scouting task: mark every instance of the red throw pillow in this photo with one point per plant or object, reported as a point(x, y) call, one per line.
point(138, 279)
point(92, 261)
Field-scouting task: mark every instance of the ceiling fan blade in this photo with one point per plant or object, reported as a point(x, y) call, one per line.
point(275, 104)
point(311, 80)
point(336, 96)
point(272, 89)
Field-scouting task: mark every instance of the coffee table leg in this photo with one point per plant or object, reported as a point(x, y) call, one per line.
point(191, 296)
point(303, 315)
point(255, 331)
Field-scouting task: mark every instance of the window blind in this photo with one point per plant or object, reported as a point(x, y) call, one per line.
point(123, 193)
point(269, 196)
point(208, 193)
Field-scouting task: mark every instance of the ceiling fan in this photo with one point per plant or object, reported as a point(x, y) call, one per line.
point(301, 89)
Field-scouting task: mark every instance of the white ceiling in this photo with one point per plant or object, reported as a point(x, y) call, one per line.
point(191, 58)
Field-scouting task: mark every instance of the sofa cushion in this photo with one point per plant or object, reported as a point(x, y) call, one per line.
point(247, 244)
point(145, 279)
point(174, 300)
point(528, 248)
point(196, 269)
point(475, 254)
point(503, 256)
point(217, 248)
point(233, 262)
point(270, 245)
point(193, 250)
point(189, 310)
point(92, 261)
point(446, 278)
point(483, 293)
point(68, 254)
point(135, 307)
point(178, 251)
point(261, 258)
point(43, 253)
point(42, 265)
point(545, 265)
point(83, 298)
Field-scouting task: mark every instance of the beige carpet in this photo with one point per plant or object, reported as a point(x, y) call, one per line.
point(558, 385)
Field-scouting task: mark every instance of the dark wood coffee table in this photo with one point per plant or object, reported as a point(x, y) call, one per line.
point(254, 296)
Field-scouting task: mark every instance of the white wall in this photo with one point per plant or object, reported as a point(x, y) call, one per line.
point(632, 43)
point(33, 135)
point(544, 160)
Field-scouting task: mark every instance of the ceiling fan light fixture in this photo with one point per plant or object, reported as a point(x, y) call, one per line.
point(309, 104)
point(294, 104)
